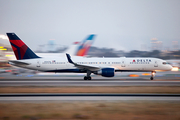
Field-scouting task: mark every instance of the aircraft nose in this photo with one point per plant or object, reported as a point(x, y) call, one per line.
point(170, 67)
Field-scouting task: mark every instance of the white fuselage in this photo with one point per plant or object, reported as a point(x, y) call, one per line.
point(61, 64)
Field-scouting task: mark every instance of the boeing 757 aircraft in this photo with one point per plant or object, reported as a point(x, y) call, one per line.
point(105, 67)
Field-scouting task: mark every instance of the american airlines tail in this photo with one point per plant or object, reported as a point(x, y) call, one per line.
point(81, 48)
point(21, 50)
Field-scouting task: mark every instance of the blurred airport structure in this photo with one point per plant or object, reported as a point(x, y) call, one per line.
point(110, 52)
point(6, 52)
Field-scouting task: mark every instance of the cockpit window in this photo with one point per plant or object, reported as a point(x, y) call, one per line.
point(164, 63)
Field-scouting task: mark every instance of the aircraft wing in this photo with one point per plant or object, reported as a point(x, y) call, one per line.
point(18, 63)
point(87, 67)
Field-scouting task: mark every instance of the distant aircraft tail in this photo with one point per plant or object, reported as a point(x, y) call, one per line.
point(85, 45)
point(21, 50)
point(81, 48)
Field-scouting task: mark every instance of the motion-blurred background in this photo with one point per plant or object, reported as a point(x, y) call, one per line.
point(123, 28)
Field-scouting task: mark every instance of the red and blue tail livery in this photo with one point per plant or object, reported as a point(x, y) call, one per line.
point(21, 50)
point(85, 46)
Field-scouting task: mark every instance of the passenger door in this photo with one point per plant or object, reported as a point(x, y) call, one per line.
point(38, 64)
point(123, 64)
point(156, 64)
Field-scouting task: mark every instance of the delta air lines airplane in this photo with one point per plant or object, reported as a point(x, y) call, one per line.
point(105, 67)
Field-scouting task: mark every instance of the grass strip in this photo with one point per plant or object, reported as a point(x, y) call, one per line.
point(131, 110)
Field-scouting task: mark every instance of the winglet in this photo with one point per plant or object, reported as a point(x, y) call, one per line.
point(69, 58)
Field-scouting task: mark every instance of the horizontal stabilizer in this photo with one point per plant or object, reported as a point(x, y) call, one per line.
point(18, 63)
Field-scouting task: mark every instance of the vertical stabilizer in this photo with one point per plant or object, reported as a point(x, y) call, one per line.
point(81, 48)
point(85, 46)
point(21, 50)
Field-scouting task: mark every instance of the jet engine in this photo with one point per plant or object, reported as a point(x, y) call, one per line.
point(106, 72)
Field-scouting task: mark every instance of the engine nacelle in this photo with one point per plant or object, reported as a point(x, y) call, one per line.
point(106, 72)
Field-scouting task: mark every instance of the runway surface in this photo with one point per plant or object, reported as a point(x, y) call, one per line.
point(86, 97)
point(77, 82)
point(165, 76)
point(121, 79)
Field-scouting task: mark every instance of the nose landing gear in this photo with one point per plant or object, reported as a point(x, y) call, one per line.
point(152, 75)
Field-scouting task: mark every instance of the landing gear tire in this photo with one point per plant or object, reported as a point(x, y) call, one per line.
point(152, 75)
point(85, 78)
point(89, 78)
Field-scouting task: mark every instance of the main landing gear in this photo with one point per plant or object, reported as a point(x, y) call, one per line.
point(88, 77)
point(152, 75)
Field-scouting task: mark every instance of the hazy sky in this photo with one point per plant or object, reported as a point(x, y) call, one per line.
point(119, 24)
